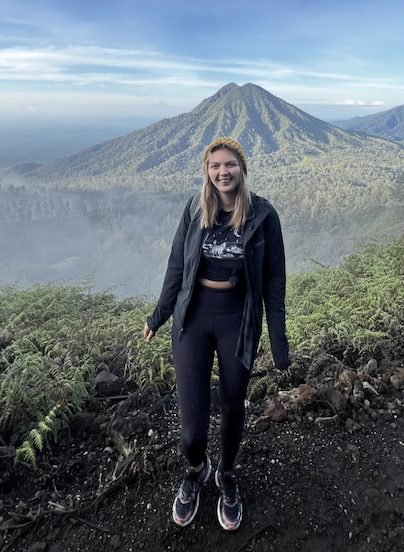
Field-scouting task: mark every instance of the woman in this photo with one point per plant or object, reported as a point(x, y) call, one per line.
point(227, 258)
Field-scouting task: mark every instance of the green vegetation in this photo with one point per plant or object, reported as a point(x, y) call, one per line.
point(52, 342)
point(360, 304)
point(353, 312)
point(55, 339)
point(387, 124)
point(306, 166)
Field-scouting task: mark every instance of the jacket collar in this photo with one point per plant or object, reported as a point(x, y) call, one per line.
point(256, 209)
point(251, 210)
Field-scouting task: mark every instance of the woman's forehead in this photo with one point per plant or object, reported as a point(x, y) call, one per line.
point(222, 155)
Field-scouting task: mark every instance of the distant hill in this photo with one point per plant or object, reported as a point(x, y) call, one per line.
point(386, 124)
point(305, 165)
point(22, 169)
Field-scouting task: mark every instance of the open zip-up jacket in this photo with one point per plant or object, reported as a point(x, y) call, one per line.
point(264, 263)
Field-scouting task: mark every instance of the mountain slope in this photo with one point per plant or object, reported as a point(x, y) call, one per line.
point(387, 124)
point(170, 150)
point(314, 172)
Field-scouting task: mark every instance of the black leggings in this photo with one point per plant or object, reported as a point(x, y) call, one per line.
point(213, 323)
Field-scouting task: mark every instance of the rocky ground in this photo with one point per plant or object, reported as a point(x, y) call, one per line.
point(321, 469)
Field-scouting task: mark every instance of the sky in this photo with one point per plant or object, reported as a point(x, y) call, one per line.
point(111, 61)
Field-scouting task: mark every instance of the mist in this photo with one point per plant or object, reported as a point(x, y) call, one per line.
point(41, 141)
point(120, 240)
point(116, 240)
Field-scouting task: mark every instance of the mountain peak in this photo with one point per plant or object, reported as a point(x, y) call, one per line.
point(261, 122)
point(226, 88)
point(264, 124)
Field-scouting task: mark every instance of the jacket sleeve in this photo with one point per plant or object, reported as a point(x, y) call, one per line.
point(274, 284)
point(173, 277)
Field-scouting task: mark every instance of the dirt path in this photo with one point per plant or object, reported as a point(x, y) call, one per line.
point(304, 489)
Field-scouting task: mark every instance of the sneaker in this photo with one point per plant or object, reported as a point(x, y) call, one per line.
point(186, 502)
point(229, 506)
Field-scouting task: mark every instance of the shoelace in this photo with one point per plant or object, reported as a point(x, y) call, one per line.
point(189, 486)
point(188, 489)
point(229, 490)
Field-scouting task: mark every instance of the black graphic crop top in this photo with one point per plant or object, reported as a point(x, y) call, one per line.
point(222, 256)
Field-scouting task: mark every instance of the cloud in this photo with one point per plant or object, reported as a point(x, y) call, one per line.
point(83, 78)
point(19, 21)
point(18, 59)
point(361, 103)
point(68, 64)
point(81, 105)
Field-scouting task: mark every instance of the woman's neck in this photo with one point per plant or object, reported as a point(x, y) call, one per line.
point(227, 203)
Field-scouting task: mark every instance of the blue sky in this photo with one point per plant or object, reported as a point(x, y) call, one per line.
point(114, 60)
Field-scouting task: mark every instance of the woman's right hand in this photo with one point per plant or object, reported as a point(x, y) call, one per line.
point(148, 334)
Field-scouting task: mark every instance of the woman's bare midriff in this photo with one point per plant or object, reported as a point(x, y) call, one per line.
point(214, 284)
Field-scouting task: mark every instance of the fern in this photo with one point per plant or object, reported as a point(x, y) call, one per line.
point(26, 454)
point(36, 439)
point(55, 337)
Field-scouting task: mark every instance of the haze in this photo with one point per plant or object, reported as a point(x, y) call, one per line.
point(73, 75)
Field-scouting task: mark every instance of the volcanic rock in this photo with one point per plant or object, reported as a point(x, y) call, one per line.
point(397, 379)
point(275, 411)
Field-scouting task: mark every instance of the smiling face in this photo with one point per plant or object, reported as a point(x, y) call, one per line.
point(224, 171)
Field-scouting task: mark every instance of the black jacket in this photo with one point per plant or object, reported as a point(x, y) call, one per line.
point(265, 277)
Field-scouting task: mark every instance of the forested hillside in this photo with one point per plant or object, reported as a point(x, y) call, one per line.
point(293, 157)
point(387, 124)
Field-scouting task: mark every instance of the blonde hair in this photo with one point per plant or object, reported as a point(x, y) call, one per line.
point(210, 199)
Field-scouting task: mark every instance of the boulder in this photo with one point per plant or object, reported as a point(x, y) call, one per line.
point(306, 394)
point(358, 392)
point(329, 421)
point(275, 411)
point(351, 425)
point(333, 397)
point(370, 368)
point(107, 384)
point(345, 382)
point(369, 390)
point(261, 424)
point(397, 379)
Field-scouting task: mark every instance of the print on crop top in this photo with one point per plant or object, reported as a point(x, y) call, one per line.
point(222, 241)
